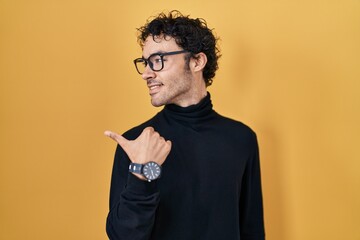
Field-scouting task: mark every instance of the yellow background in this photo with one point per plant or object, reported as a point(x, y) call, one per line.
point(290, 70)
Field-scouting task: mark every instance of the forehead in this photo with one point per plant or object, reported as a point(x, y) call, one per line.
point(159, 44)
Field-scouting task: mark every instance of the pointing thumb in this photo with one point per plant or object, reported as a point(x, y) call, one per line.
point(116, 137)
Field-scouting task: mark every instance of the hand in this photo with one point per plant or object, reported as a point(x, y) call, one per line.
point(149, 146)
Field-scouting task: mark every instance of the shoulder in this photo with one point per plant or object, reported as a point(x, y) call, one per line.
point(236, 129)
point(234, 124)
point(134, 132)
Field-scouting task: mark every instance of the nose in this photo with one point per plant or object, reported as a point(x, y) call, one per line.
point(148, 73)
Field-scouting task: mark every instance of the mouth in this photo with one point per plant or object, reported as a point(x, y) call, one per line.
point(154, 87)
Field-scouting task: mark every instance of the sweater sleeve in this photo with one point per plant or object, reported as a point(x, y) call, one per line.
point(133, 203)
point(251, 205)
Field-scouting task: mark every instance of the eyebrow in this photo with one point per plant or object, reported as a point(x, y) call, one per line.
point(160, 52)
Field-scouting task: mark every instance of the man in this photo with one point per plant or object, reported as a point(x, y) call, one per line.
point(187, 173)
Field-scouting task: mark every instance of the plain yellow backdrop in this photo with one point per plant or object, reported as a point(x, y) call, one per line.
point(290, 70)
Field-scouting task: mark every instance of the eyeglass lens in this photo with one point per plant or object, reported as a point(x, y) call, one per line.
point(155, 62)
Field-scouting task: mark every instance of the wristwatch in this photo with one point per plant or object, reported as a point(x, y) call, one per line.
point(151, 170)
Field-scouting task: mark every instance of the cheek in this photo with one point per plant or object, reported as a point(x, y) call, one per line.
point(175, 77)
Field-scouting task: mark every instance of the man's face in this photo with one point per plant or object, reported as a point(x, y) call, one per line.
point(174, 83)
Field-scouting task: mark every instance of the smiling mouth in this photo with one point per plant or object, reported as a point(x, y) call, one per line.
point(154, 84)
point(154, 87)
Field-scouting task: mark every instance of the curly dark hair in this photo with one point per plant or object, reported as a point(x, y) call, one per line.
point(192, 35)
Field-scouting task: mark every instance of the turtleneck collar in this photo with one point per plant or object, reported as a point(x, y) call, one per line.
point(199, 111)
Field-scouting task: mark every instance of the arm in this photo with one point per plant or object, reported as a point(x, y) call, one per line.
point(133, 201)
point(251, 206)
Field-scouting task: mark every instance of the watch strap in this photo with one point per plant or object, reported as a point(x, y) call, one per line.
point(135, 168)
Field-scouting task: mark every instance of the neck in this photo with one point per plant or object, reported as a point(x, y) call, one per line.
point(195, 98)
point(197, 93)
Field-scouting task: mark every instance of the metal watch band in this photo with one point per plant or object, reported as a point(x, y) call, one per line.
point(135, 168)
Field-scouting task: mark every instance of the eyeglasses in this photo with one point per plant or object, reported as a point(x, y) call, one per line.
point(155, 61)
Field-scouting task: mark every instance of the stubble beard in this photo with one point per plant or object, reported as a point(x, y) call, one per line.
point(174, 92)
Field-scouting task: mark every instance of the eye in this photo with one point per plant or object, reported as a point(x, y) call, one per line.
point(156, 59)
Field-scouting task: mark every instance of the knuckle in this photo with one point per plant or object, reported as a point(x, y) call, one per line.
point(147, 130)
point(150, 129)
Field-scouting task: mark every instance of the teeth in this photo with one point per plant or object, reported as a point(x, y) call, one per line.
point(155, 86)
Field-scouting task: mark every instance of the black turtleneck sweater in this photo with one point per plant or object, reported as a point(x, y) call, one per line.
point(210, 186)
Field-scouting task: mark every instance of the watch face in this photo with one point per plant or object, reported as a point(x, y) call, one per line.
point(151, 171)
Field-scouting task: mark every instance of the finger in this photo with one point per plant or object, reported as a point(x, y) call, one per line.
point(169, 143)
point(116, 137)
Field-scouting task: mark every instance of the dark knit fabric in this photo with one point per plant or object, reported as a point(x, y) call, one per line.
point(210, 188)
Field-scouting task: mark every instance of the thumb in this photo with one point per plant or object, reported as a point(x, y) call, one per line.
point(116, 137)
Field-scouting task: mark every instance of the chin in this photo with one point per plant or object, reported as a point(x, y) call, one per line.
point(157, 103)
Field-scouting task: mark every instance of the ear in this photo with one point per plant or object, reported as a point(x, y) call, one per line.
point(198, 62)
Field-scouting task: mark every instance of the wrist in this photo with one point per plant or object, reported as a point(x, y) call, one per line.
point(139, 176)
point(149, 171)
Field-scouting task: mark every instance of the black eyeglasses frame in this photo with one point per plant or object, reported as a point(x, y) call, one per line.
point(148, 62)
